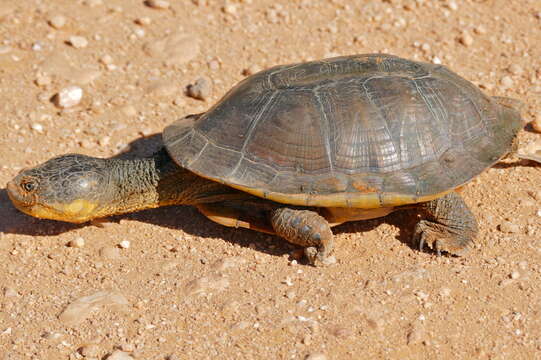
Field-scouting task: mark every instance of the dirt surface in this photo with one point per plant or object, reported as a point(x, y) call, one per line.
point(168, 283)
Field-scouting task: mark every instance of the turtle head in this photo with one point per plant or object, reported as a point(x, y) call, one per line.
point(67, 188)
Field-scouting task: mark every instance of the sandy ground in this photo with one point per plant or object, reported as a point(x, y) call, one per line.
point(168, 283)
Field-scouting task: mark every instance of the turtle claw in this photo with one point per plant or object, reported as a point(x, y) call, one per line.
point(317, 258)
point(424, 236)
point(421, 243)
point(311, 255)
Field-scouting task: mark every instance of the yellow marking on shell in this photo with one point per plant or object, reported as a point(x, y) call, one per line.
point(339, 215)
point(354, 200)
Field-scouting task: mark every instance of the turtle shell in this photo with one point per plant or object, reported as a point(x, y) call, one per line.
point(361, 131)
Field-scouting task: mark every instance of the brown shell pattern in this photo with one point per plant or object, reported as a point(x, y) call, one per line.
point(355, 131)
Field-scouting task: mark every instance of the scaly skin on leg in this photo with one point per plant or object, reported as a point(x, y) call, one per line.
point(305, 228)
point(449, 225)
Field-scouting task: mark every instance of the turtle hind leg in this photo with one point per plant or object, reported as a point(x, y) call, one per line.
point(449, 225)
point(305, 228)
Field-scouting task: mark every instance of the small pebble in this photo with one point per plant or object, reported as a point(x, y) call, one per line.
point(143, 21)
point(480, 30)
point(444, 292)
point(125, 244)
point(93, 3)
point(78, 42)
point(509, 227)
point(90, 351)
point(507, 82)
point(157, 4)
point(43, 80)
point(201, 89)
point(515, 69)
point(466, 39)
point(452, 5)
point(104, 141)
point(10, 292)
point(214, 65)
point(106, 59)
point(69, 96)
point(37, 127)
point(126, 347)
point(252, 69)
point(230, 9)
point(514, 275)
point(119, 355)
point(57, 21)
point(316, 356)
point(290, 294)
point(52, 336)
point(78, 242)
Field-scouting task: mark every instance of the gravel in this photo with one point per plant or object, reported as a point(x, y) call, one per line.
point(90, 351)
point(509, 227)
point(201, 89)
point(507, 82)
point(316, 356)
point(78, 242)
point(158, 4)
point(119, 355)
point(57, 21)
point(466, 39)
point(69, 97)
point(78, 42)
point(125, 244)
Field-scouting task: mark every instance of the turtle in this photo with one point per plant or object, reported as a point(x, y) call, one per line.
point(297, 149)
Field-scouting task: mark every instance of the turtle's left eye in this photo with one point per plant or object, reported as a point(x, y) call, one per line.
point(29, 185)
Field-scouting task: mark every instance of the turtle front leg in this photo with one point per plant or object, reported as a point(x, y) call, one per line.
point(449, 225)
point(305, 228)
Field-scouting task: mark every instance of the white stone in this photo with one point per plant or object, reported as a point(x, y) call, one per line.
point(78, 42)
point(78, 242)
point(69, 96)
point(57, 21)
point(158, 4)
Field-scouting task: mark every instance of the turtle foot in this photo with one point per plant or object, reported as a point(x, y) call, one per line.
point(440, 239)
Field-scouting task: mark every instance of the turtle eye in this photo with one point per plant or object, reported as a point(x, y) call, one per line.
point(29, 185)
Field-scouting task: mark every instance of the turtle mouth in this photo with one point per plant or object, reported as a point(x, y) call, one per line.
point(77, 211)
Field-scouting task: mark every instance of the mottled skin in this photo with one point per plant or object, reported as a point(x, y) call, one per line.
point(297, 149)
